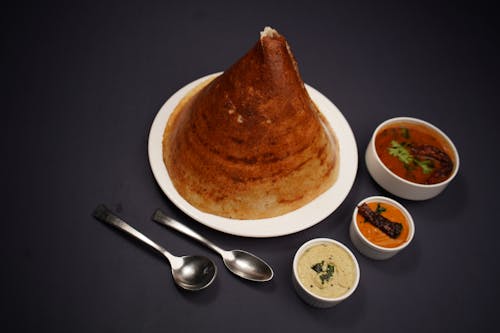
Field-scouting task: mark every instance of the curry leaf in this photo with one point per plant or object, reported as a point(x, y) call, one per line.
point(318, 268)
point(328, 274)
point(380, 209)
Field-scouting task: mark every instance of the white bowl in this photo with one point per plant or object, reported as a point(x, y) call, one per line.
point(302, 290)
point(370, 249)
point(397, 185)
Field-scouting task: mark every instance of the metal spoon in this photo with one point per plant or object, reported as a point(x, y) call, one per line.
point(189, 272)
point(241, 263)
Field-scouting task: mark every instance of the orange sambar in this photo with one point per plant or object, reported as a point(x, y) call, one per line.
point(412, 134)
point(378, 237)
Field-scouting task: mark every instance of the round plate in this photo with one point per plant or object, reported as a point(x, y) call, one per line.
point(289, 223)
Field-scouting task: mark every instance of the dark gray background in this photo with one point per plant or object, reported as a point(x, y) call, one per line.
point(82, 84)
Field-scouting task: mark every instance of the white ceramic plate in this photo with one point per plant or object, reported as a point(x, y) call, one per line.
point(289, 223)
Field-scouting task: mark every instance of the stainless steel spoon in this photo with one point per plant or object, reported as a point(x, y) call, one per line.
point(241, 263)
point(189, 272)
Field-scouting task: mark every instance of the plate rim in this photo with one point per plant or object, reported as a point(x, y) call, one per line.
point(315, 211)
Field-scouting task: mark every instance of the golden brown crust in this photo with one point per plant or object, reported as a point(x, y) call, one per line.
point(250, 143)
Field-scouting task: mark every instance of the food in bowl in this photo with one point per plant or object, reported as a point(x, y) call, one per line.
point(381, 227)
point(411, 158)
point(382, 224)
point(325, 272)
point(415, 152)
point(250, 143)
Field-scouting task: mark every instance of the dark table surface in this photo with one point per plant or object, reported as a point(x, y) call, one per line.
point(83, 83)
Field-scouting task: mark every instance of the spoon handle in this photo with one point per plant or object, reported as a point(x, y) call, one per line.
point(103, 214)
point(161, 218)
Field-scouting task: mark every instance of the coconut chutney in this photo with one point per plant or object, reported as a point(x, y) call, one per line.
point(326, 270)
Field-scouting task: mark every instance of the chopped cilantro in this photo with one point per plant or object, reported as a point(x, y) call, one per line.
point(400, 151)
point(427, 166)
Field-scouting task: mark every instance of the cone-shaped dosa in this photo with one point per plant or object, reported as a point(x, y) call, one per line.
point(250, 143)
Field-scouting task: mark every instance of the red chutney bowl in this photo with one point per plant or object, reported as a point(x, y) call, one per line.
point(366, 245)
point(411, 158)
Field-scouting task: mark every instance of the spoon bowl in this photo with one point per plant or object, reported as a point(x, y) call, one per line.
point(241, 263)
point(188, 272)
point(247, 265)
point(194, 272)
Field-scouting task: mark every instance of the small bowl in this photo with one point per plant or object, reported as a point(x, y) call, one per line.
point(395, 184)
point(312, 298)
point(368, 248)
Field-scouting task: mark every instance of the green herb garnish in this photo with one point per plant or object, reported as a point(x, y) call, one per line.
point(328, 274)
point(325, 275)
point(380, 209)
point(427, 165)
point(405, 133)
point(400, 151)
point(318, 268)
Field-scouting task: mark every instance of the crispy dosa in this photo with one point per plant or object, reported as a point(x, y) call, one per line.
point(250, 143)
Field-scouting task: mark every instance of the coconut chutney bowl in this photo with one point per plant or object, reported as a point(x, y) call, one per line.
point(411, 158)
point(381, 227)
point(325, 272)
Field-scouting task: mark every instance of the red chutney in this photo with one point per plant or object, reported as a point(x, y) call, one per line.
point(377, 236)
point(415, 152)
